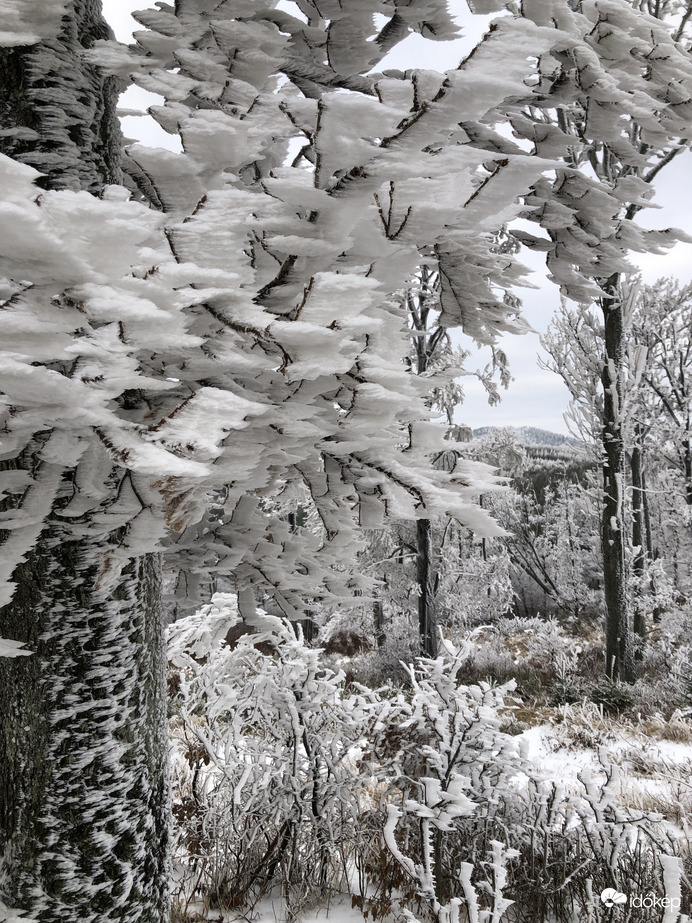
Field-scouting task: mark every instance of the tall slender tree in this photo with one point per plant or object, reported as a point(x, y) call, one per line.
point(422, 304)
point(624, 156)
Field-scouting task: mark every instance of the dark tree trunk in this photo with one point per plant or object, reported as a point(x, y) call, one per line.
point(619, 656)
point(648, 535)
point(83, 783)
point(378, 619)
point(425, 344)
point(296, 518)
point(638, 532)
point(57, 113)
point(83, 791)
point(308, 625)
point(427, 616)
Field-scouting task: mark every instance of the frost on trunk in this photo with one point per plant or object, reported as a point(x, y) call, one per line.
point(83, 791)
point(82, 788)
point(619, 656)
point(57, 112)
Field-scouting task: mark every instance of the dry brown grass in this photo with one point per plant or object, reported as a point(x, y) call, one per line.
point(654, 785)
point(520, 717)
point(677, 728)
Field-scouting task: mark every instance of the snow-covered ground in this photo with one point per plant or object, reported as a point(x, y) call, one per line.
point(271, 910)
point(655, 774)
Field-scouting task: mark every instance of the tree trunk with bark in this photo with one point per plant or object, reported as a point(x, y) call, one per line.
point(638, 533)
point(619, 655)
point(378, 622)
point(425, 570)
point(83, 734)
point(83, 790)
point(57, 112)
point(426, 342)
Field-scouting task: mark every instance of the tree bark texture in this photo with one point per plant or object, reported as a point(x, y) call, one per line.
point(57, 112)
point(687, 465)
point(83, 790)
point(378, 622)
point(83, 731)
point(619, 655)
point(425, 568)
point(638, 540)
point(425, 344)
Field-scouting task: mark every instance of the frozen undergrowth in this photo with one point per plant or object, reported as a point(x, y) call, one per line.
point(656, 773)
point(269, 910)
point(416, 802)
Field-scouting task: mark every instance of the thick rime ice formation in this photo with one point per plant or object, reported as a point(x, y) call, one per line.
point(23, 23)
point(233, 331)
point(54, 113)
point(253, 318)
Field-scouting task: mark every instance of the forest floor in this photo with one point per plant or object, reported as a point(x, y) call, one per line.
point(655, 771)
point(574, 728)
point(653, 759)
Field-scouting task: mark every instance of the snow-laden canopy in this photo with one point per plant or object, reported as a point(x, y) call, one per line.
point(233, 331)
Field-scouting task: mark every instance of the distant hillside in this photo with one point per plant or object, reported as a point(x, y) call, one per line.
point(533, 436)
point(550, 458)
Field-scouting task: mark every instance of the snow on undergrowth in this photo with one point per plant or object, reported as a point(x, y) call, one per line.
point(293, 785)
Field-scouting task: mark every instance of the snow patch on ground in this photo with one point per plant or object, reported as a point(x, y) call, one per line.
point(273, 910)
point(654, 774)
point(563, 764)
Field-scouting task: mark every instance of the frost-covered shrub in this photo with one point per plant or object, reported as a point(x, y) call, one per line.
point(386, 665)
point(612, 696)
point(573, 845)
point(284, 777)
point(665, 682)
point(265, 762)
point(542, 854)
point(489, 662)
point(541, 655)
point(450, 763)
point(287, 779)
point(476, 832)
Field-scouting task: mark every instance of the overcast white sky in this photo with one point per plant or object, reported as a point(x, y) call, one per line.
point(535, 397)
